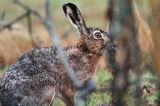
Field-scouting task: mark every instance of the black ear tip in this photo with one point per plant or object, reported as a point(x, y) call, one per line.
point(70, 5)
point(64, 8)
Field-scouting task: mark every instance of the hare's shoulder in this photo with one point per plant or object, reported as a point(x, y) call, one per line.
point(39, 61)
point(38, 54)
point(33, 62)
point(35, 59)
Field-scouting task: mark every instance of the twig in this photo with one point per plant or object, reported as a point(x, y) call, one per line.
point(49, 25)
point(30, 30)
point(84, 89)
point(2, 16)
point(125, 21)
point(115, 89)
point(29, 22)
point(27, 8)
point(17, 19)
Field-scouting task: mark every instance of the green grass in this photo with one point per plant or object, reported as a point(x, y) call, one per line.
point(101, 79)
point(2, 71)
point(98, 99)
point(155, 97)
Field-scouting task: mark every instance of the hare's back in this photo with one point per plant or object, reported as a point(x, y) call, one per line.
point(32, 72)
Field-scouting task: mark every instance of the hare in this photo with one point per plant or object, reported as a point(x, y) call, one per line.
point(38, 74)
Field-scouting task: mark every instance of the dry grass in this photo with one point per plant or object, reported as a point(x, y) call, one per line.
point(13, 43)
point(145, 39)
point(155, 27)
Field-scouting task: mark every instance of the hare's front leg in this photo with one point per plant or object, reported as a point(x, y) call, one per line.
point(68, 95)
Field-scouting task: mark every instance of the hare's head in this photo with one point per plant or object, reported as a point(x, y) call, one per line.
point(94, 40)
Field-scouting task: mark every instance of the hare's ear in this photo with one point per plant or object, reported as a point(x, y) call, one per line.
point(73, 14)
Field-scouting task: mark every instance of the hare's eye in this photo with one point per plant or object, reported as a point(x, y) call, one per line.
point(97, 35)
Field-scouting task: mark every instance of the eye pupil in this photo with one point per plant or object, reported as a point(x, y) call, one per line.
point(98, 35)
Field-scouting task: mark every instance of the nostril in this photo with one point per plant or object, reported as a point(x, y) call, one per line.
point(114, 46)
point(111, 46)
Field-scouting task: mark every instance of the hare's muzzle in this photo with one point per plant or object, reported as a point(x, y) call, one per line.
point(110, 46)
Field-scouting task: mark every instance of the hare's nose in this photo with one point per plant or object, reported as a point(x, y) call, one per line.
point(111, 47)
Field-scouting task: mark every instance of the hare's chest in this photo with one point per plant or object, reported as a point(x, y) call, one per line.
point(82, 66)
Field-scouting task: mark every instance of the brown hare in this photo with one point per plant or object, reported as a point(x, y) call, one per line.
point(38, 74)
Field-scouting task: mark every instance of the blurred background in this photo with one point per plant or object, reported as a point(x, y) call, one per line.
point(19, 38)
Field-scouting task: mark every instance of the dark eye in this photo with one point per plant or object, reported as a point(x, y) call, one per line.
point(97, 35)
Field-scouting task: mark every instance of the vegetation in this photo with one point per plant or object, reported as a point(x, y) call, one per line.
point(102, 79)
